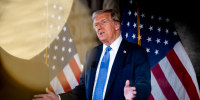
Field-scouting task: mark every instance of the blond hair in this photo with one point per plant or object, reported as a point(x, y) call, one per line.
point(114, 15)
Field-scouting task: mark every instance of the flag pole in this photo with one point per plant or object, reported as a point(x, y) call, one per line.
point(46, 51)
point(138, 24)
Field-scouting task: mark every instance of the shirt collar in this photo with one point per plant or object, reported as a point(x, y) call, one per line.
point(115, 44)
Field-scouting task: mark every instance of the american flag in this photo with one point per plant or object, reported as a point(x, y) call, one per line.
point(60, 56)
point(172, 73)
point(63, 62)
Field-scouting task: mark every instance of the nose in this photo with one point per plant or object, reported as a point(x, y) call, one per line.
point(99, 27)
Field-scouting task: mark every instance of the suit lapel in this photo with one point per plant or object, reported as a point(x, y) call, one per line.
point(117, 63)
point(93, 70)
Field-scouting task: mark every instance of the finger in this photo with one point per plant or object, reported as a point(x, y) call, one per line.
point(132, 97)
point(39, 95)
point(133, 88)
point(134, 92)
point(127, 83)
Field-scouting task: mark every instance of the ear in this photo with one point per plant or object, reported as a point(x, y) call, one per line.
point(117, 25)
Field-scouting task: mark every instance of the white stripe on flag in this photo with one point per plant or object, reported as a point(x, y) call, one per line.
point(70, 76)
point(182, 55)
point(57, 87)
point(173, 79)
point(76, 57)
point(156, 91)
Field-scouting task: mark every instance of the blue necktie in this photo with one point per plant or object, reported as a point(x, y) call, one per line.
point(101, 80)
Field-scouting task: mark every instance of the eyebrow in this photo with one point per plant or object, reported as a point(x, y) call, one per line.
point(100, 21)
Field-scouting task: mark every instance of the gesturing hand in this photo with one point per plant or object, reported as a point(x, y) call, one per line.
point(129, 92)
point(49, 96)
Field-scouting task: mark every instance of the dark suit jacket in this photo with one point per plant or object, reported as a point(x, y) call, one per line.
point(131, 63)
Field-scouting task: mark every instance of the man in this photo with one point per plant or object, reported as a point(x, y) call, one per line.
point(114, 70)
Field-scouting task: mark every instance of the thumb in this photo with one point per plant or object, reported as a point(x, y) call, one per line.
point(127, 83)
point(48, 91)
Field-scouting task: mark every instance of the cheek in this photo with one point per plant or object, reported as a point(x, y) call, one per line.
point(109, 28)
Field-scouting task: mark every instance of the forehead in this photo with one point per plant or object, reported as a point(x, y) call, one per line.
point(102, 16)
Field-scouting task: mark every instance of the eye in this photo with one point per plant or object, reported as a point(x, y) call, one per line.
point(104, 21)
point(96, 25)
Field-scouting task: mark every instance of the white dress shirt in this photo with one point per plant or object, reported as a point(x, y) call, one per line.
point(115, 46)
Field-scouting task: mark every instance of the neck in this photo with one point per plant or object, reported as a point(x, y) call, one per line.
point(109, 42)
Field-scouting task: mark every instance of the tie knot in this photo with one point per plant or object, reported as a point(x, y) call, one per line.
point(108, 48)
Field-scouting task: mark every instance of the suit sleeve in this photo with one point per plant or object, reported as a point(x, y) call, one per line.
point(142, 75)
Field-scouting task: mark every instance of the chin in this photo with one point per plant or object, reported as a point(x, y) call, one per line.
point(101, 39)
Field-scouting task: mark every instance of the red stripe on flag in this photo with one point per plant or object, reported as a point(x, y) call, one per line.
point(75, 69)
point(63, 81)
point(183, 75)
point(163, 83)
point(51, 89)
point(151, 97)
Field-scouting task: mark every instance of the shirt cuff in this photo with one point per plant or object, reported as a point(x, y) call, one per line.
point(59, 97)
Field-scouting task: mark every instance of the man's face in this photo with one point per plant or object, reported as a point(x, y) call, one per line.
point(105, 27)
